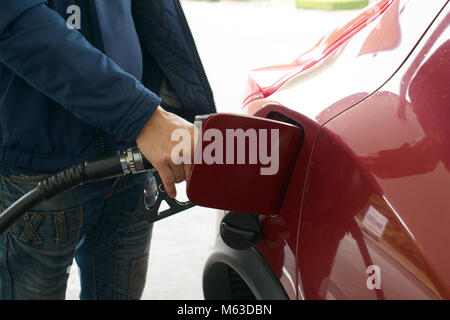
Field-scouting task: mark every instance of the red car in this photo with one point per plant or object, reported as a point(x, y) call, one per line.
point(364, 212)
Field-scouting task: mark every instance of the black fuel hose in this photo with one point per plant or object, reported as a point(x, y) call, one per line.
point(102, 168)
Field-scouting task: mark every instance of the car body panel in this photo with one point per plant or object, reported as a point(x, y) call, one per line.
point(385, 160)
point(369, 193)
point(261, 81)
point(262, 180)
point(279, 242)
point(359, 66)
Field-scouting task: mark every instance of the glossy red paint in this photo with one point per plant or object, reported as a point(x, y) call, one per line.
point(279, 242)
point(239, 177)
point(260, 86)
point(358, 68)
point(371, 183)
point(394, 158)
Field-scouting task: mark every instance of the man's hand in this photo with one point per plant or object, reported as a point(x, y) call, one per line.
point(154, 141)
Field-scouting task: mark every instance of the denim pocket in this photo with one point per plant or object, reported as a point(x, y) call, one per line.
point(138, 276)
point(37, 249)
point(56, 227)
point(54, 221)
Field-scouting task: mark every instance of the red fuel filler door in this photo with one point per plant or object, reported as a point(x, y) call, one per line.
point(242, 163)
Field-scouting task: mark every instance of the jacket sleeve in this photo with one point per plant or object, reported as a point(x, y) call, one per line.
point(37, 46)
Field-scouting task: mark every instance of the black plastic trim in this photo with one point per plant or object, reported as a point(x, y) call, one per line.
point(251, 267)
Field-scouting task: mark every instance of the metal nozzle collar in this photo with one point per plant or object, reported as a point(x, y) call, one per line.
point(135, 161)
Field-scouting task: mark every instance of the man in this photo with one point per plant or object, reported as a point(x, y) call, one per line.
point(69, 95)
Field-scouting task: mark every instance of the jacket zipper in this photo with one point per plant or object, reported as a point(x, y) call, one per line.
point(90, 34)
point(91, 39)
point(205, 81)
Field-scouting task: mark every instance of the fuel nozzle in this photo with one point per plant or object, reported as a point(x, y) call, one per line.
point(104, 167)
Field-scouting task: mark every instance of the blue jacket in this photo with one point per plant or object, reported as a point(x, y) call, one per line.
point(62, 100)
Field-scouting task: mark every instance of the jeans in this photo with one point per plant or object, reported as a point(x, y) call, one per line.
point(102, 225)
